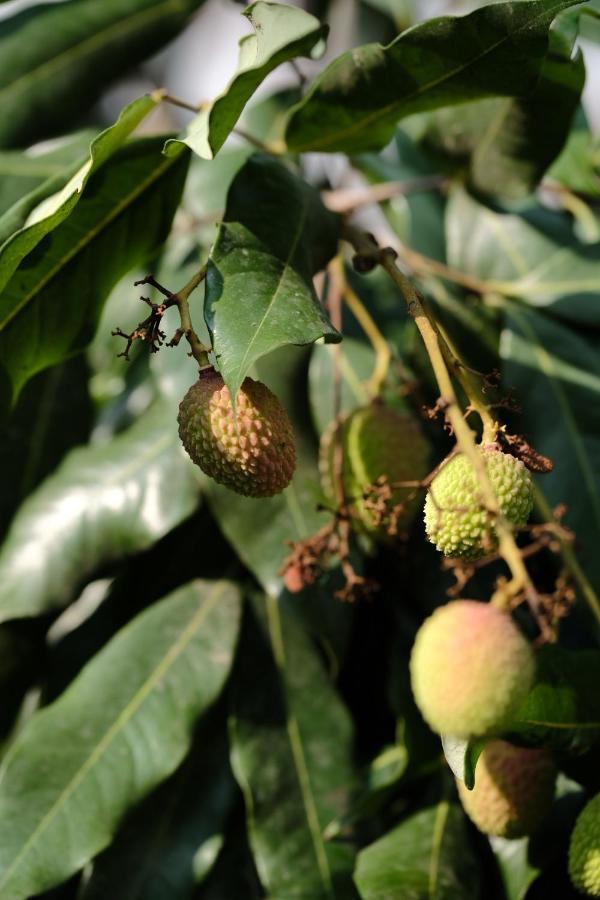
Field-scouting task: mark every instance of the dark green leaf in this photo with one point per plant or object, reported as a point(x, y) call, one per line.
point(21, 172)
point(533, 256)
point(53, 415)
point(103, 503)
point(555, 372)
point(357, 101)
point(526, 135)
point(50, 306)
point(562, 710)
point(292, 757)
point(171, 840)
point(427, 857)
point(56, 59)
point(123, 726)
point(281, 33)
point(578, 166)
point(276, 235)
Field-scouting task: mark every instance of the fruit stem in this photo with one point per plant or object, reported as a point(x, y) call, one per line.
point(369, 254)
point(180, 300)
point(383, 354)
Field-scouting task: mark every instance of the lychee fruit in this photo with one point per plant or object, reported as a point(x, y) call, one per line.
point(470, 669)
point(377, 442)
point(514, 789)
point(584, 849)
point(251, 451)
point(456, 520)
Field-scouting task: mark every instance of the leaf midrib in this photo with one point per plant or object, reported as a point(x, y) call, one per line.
point(87, 239)
point(89, 44)
point(122, 719)
point(377, 114)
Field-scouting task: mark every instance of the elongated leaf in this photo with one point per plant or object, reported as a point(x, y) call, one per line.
point(563, 708)
point(356, 361)
point(462, 757)
point(276, 235)
point(49, 308)
point(22, 229)
point(122, 727)
point(53, 415)
point(427, 856)
point(172, 838)
point(21, 172)
point(103, 503)
point(281, 33)
point(556, 374)
point(578, 166)
point(516, 870)
point(532, 256)
point(356, 102)
point(526, 136)
point(56, 59)
point(291, 755)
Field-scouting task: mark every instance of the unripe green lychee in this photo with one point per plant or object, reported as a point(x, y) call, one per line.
point(252, 451)
point(514, 789)
point(470, 669)
point(455, 519)
point(584, 849)
point(376, 442)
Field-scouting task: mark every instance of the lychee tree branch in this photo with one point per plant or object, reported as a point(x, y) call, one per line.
point(369, 254)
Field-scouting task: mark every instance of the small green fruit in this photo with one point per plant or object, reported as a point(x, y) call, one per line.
point(455, 520)
point(376, 442)
point(470, 669)
point(514, 789)
point(584, 849)
point(252, 452)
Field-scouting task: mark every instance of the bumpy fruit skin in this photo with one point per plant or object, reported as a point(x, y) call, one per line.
point(514, 789)
point(455, 520)
point(377, 441)
point(470, 669)
point(253, 452)
point(584, 849)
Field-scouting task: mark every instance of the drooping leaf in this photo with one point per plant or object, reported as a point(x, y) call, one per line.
point(427, 857)
point(292, 757)
point(281, 33)
point(56, 59)
point(562, 710)
point(52, 416)
point(171, 840)
point(516, 870)
point(462, 755)
point(50, 306)
point(532, 256)
point(23, 171)
point(24, 226)
point(526, 135)
point(555, 372)
point(123, 726)
point(276, 235)
point(356, 102)
point(103, 503)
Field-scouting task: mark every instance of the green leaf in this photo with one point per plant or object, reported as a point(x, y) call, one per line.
point(578, 166)
point(55, 60)
point(526, 135)
point(292, 757)
point(123, 726)
point(562, 710)
point(50, 306)
point(276, 235)
point(103, 503)
point(23, 171)
point(356, 102)
point(516, 870)
point(532, 256)
point(356, 361)
point(462, 757)
point(53, 415)
point(281, 33)
point(171, 840)
point(555, 372)
point(427, 857)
